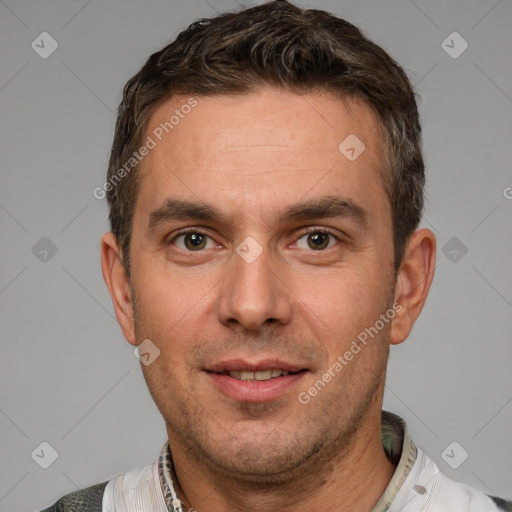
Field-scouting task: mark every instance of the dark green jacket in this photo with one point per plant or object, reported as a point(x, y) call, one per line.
point(85, 500)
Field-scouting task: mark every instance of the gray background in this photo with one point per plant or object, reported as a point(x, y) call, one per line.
point(67, 376)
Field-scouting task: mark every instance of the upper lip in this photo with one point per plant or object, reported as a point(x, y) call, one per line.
point(244, 365)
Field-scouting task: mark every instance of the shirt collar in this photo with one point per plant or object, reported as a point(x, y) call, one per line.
point(397, 443)
point(401, 451)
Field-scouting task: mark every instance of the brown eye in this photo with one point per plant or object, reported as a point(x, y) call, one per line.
point(192, 241)
point(316, 240)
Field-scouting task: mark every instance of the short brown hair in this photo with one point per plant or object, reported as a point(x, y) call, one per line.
point(281, 45)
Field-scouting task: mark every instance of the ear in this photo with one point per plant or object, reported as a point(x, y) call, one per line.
point(413, 283)
point(118, 285)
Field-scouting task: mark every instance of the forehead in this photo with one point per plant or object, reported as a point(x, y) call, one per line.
point(263, 146)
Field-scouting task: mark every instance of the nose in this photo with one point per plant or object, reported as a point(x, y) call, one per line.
point(253, 294)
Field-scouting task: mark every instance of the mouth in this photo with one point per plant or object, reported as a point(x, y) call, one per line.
point(255, 382)
point(259, 375)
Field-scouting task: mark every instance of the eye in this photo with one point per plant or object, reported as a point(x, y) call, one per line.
point(193, 241)
point(317, 240)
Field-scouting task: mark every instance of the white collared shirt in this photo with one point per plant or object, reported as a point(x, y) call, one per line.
point(417, 484)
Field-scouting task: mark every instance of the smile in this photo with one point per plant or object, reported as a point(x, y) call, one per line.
point(255, 382)
point(259, 375)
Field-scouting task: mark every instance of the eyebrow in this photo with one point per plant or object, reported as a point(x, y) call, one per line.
point(319, 208)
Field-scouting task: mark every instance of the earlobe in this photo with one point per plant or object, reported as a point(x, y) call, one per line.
point(118, 285)
point(413, 282)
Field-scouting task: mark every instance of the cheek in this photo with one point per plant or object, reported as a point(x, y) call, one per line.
point(344, 303)
point(167, 312)
point(164, 294)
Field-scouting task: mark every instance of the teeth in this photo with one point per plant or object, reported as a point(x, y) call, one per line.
point(263, 375)
point(259, 375)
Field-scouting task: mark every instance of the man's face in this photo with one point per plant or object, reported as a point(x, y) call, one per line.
point(267, 285)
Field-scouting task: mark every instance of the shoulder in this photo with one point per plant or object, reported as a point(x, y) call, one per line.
point(85, 500)
point(428, 489)
point(502, 504)
point(459, 496)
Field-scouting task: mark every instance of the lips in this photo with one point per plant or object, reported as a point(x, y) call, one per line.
point(254, 382)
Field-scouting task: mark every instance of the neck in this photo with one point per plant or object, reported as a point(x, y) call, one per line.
point(352, 478)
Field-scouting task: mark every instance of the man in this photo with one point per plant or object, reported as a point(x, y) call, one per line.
point(265, 188)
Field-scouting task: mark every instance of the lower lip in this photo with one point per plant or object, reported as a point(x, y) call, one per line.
point(255, 391)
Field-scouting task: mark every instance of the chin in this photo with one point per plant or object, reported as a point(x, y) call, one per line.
point(263, 457)
point(258, 465)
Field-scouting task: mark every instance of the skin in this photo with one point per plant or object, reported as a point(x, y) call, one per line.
point(252, 156)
